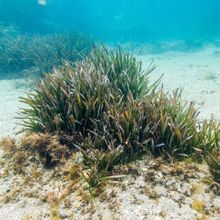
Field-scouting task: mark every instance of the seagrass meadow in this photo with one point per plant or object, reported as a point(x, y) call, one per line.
point(109, 110)
point(33, 55)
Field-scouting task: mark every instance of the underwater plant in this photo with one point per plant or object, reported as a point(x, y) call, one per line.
point(128, 129)
point(66, 101)
point(178, 130)
point(123, 71)
point(90, 100)
point(72, 97)
point(49, 149)
point(213, 160)
point(112, 116)
point(39, 54)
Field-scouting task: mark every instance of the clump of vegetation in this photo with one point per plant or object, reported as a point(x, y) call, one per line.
point(8, 145)
point(49, 149)
point(44, 148)
point(124, 73)
point(107, 107)
point(213, 160)
point(82, 94)
point(39, 54)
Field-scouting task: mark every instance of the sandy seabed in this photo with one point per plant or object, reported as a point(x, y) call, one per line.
point(10, 93)
point(198, 73)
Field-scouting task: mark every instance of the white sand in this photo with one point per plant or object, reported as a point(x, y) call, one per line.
point(10, 91)
point(197, 72)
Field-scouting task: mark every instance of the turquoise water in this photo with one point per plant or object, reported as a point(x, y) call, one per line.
point(118, 20)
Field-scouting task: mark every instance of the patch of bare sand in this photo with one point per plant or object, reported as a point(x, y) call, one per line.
point(10, 91)
point(198, 73)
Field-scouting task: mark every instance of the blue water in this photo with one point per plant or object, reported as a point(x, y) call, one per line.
point(118, 20)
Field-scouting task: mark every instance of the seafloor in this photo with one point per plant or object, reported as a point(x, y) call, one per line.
point(198, 73)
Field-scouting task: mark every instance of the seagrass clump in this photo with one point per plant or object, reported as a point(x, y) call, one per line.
point(73, 98)
point(108, 101)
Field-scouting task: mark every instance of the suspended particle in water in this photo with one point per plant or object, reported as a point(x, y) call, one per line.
point(42, 2)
